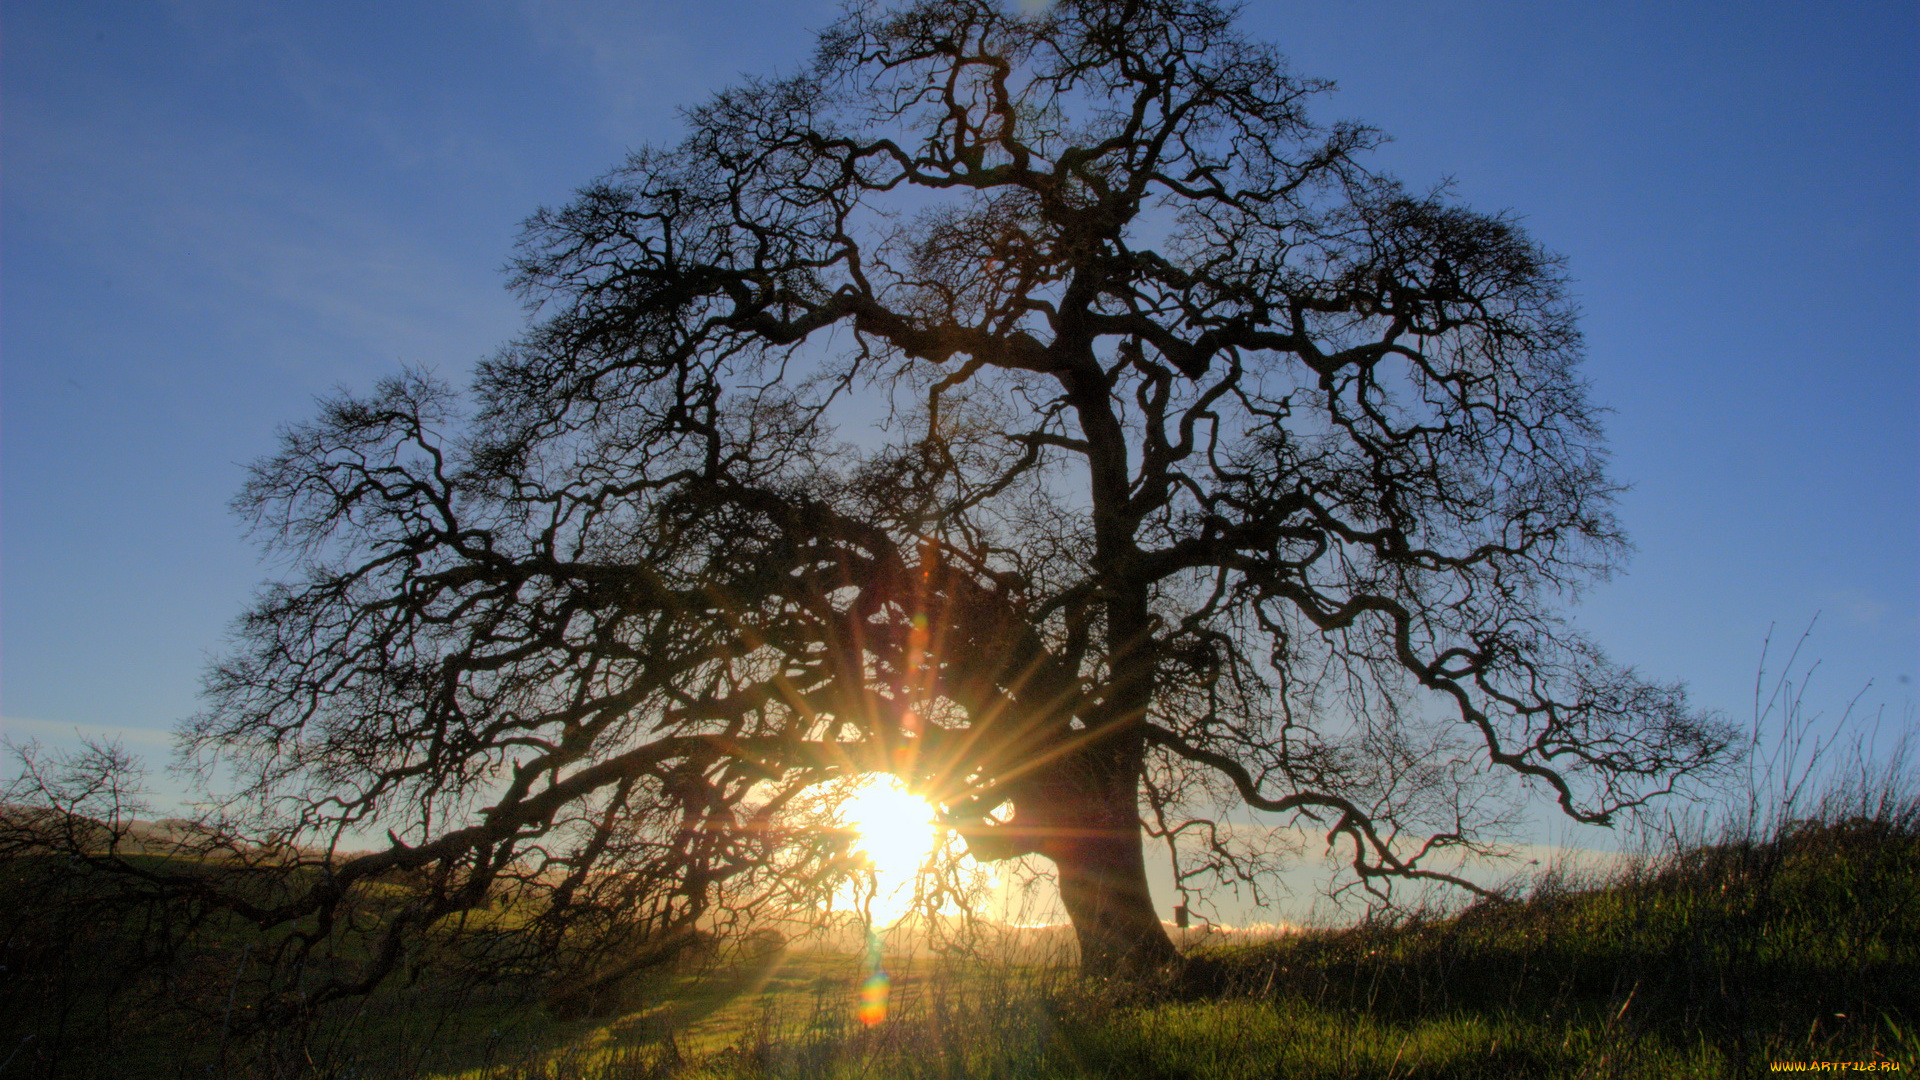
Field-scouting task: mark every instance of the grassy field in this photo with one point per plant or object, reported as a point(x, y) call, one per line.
point(1800, 945)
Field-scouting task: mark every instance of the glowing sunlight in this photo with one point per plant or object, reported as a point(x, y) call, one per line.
point(897, 833)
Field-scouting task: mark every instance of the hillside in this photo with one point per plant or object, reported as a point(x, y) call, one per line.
point(1802, 945)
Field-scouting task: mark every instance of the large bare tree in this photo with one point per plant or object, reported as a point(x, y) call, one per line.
point(1218, 471)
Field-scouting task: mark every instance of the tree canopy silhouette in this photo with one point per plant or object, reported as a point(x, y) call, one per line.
point(1219, 473)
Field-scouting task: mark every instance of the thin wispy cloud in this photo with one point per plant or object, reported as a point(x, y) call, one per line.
point(147, 741)
point(645, 62)
point(225, 224)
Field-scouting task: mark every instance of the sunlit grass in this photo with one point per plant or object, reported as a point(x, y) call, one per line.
point(988, 1026)
point(1802, 943)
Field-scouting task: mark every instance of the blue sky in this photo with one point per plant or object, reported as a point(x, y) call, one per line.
point(212, 211)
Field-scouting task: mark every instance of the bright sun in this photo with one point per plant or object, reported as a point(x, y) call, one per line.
point(896, 832)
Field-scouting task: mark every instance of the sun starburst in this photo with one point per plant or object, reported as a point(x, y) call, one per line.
point(897, 834)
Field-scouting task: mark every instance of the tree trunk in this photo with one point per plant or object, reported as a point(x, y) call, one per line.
point(1082, 813)
point(1094, 842)
point(1103, 883)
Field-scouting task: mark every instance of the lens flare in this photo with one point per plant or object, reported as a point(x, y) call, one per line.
point(873, 998)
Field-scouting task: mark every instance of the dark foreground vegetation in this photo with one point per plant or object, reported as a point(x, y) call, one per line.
point(1799, 944)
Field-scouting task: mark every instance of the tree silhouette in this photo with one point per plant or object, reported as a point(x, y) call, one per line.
point(1218, 471)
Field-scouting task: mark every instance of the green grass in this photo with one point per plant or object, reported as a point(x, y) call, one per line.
point(1803, 945)
point(1800, 945)
point(983, 1027)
